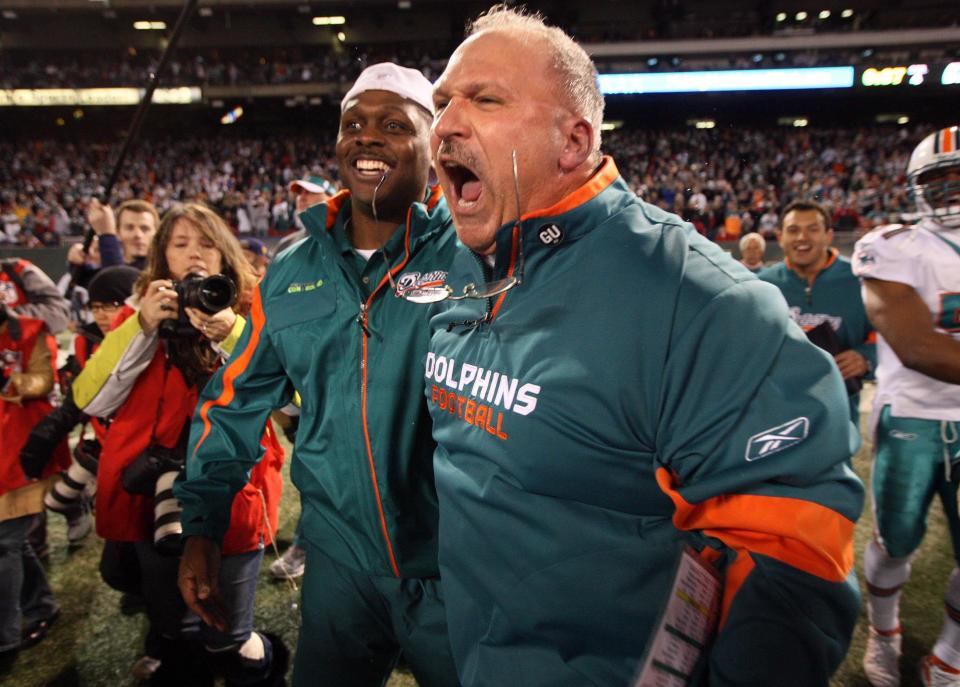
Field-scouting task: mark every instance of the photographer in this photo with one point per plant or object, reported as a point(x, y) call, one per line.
point(147, 373)
point(108, 290)
point(27, 376)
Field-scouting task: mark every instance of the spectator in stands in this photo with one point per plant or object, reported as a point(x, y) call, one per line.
point(824, 296)
point(768, 223)
point(752, 248)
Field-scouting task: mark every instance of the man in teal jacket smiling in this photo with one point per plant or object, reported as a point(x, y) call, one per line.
point(325, 323)
point(627, 495)
point(822, 291)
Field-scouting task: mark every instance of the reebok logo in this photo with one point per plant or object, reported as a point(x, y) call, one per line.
point(777, 439)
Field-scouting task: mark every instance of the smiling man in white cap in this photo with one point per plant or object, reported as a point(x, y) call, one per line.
point(325, 323)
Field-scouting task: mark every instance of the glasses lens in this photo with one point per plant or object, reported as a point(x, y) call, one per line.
point(490, 289)
point(431, 294)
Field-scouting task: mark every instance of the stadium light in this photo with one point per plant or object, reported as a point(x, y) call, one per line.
point(341, 36)
point(824, 14)
point(329, 21)
point(802, 16)
point(846, 14)
point(799, 78)
point(206, 11)
point(150, 25)
point(903, 120)
point(702, 123)
point(793, 120)
point(404, 4)
point(951, 74)
point(232, 116)
point(781, 16)
point(611, 125)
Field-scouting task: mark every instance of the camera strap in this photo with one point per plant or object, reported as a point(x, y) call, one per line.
point(163, 389)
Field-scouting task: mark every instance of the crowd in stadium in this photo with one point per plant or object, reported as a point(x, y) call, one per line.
point(727, 181)
point(207, 68)
point(240, 67)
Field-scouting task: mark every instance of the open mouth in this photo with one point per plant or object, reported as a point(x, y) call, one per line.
point(466, 184)
point(369, 167)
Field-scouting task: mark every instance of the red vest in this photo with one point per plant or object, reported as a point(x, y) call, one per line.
point(16, 421)
point(123, 516)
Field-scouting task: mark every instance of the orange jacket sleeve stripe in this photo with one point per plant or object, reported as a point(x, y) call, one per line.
point(802, 534)
point(235, 367)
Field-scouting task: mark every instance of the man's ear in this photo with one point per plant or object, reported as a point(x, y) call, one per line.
point(578, 143)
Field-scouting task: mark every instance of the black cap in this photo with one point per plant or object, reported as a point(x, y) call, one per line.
point(112, 284)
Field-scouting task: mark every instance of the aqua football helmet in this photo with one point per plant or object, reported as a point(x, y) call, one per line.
point(934, 176)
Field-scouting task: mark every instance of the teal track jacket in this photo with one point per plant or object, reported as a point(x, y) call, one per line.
point(603, 414)
point(832, 296)
point(326, 324)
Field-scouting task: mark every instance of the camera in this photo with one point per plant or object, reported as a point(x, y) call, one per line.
point(153, 473)
point(208, 294)
point(66, 496)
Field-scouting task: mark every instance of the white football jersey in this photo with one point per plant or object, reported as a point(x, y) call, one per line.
point(926, 257)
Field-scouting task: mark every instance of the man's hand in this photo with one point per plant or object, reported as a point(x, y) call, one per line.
point(198, 580)
point(101, 218)
point(76, 256)
point(852, 365)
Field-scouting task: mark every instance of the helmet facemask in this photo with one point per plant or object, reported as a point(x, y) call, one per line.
point(936, 192)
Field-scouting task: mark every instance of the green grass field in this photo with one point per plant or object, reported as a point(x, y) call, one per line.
point(94, 645)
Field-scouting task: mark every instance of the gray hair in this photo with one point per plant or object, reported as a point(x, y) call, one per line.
point(750, 238)
point(578, 75)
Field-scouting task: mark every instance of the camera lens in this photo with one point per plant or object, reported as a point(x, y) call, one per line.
point(216, 293)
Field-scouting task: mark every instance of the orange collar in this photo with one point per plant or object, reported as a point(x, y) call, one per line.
point(602, 178)
point(832, 254)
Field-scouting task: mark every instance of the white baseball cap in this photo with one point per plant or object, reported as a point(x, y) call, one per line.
point(312, 184)
point(386, 76)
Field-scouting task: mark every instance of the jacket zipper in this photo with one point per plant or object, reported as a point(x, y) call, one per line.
point(363, 320)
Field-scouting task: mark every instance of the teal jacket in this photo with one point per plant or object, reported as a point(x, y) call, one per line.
point(833, 296)
point(324, 323)
point(603, 414)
